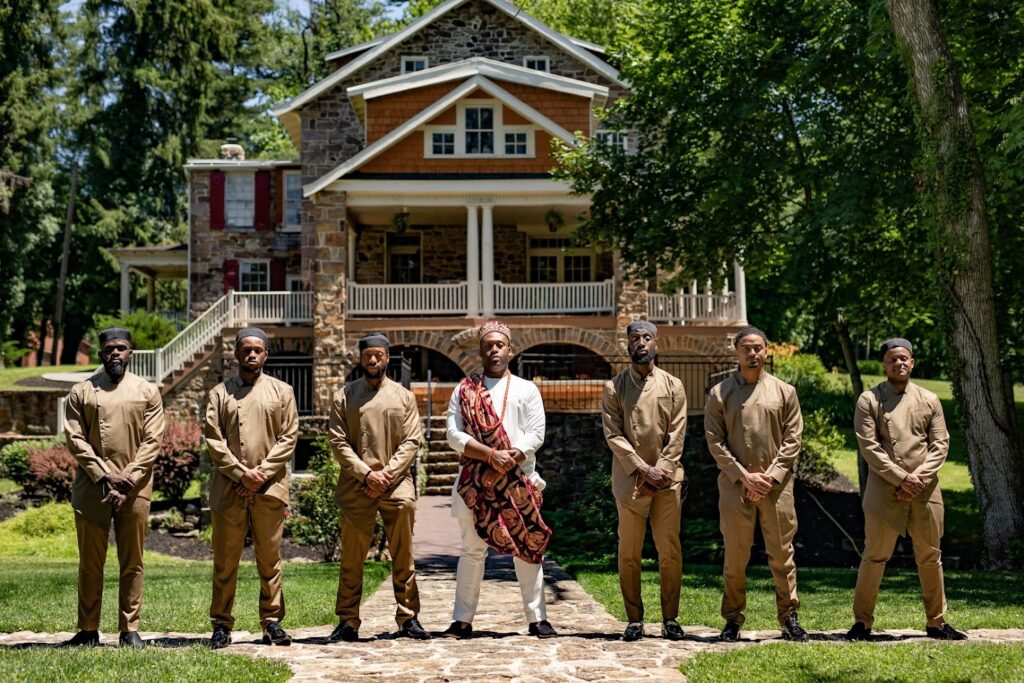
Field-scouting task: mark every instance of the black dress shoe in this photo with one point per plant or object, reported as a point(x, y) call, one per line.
point(858, 632)
point(792, 630)
point(634, 631)
point(221, 637)
point(412, 629)
point(731, 632)
point(131, 639)
point(671, 630)
point(460, 630)
point(273, 634)
point(86, 638)
point(945, 632)
point(542, 629)
point(343, 631)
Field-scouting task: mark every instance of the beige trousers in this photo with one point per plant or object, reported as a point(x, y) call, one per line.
point(356, 519)
point(130, 524)
point(266, 517)
point(663, 510)
point(776, 515)
point(925, 527)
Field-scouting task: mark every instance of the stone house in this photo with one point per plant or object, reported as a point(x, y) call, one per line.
point(422, 203)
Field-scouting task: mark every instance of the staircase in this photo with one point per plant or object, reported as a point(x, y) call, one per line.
point(441, 463)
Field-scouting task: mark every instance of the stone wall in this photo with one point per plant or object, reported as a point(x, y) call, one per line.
point(324, 256)
point(32, 413)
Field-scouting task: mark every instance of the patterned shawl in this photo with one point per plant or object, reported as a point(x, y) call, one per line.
point(505, 507)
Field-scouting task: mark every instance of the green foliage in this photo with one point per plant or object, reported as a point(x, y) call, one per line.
point(822, 440)
point(871, 367)
point(179, 458)
point(584, 525)
point(43, 522)
point(14, 458)
point(12, 352)
point(314, 518)
point(149, 330)
point(816, 392)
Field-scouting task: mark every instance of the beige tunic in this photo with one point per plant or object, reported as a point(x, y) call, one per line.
point(112, 428)
point(250, 426)
point(754, 427)
point(645, 424)
point(900, 433)
point(373, 430)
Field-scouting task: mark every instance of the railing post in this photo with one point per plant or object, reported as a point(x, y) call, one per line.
point(231, 308)
point(158, 366)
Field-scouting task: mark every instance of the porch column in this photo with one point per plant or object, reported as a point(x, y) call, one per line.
point(126, 289)
point(740, 276)
point(487, 245)
point(351, 254)
point(472, 263)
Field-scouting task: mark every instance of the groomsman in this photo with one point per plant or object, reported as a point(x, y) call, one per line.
point(251, 429)
point(114, 422)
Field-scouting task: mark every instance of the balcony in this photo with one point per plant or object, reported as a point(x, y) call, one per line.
point(694, 309)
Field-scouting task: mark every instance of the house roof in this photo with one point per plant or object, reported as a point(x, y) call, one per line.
point(287, 110)
point(238, 164)
point(468, 68)
point(473, 83)
point(362, 47)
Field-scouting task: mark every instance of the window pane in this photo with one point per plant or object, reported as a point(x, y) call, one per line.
point(577, 268)
point(472, 118)
point(443, 143)
point(515, 143)
point(487, 143)
point(293, 199)
point(253, 276)
point(239, 204)
point(472, 143)
point(486, 118)
point(543, 269)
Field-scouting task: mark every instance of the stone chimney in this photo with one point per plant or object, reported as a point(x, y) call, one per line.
point(233, 151)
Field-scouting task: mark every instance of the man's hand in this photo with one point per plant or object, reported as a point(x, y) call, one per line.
point(121, 483)
point(114, 498)
point(913, 485)
point(904, 496)
point(378, 482)
point(253, 479)
point(242, 492)
point(758, 483)
point(503, 461)
point(656, 477)
point(370, 493)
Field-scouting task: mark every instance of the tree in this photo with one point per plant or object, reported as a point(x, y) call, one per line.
point(961, 239)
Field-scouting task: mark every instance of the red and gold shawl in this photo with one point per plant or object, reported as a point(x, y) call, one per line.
point(505, 507)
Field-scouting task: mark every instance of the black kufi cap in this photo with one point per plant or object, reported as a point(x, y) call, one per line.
point(114, 333)
point(896, 343)
point(374, 340)
point(251, 332)
point(642, 325)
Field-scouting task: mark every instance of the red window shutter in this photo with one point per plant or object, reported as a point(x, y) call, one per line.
point(217, 200)
point(278, 198)
point(230, 274)
point(261, 221)
point(277, 275)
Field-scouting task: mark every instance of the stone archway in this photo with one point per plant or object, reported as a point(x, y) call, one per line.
point(428, 339)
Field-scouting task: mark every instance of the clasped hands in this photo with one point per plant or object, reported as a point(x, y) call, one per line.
point(757, 485)
point(118, 486)
point(912, 486)
point(652, 480)
point(376, 483)
point(249, 485)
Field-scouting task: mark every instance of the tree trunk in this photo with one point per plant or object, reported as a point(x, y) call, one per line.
point(843, 330)
point(964, 262)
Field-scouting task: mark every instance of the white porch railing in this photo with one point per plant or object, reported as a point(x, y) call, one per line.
point(232, 309)
point(555, 298)
point(685, 309)
point(407, 299)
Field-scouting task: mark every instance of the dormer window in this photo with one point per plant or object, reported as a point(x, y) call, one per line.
point(537, 62)
point(479, 130)
point(413, 63)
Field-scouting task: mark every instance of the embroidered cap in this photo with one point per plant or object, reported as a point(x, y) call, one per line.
point(495, 326)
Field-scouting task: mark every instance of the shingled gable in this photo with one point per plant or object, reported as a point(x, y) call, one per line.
point(477, 82)
point(288, 111)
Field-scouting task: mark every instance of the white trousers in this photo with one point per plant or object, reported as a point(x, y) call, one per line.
point(471, 574)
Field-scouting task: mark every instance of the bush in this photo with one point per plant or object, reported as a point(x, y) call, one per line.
point(11, 353)
point(14, 459)
point(53, 471)
point(314, 518)
point(817, 394)
point(47, 520)
point(149, 330)
point(821, 441)
point(178, 461)
point(870, 367)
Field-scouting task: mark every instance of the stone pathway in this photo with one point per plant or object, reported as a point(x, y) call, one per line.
point(589, 648)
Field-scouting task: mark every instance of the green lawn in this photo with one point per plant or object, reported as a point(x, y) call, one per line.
point(8, 376)
point(38, 584)
point(111, 665)
point(976, 598)
point(896, 663)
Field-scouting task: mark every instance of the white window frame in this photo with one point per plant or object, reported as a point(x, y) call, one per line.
point(243, 264)
point(459, 129)
point(290, 227)
point(537, 59)
point(414, 58)
point(290, 279)
point(560, 253)
point(606, 137)
point(244, 222)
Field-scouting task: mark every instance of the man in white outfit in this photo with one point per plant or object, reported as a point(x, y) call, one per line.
point(506, 427)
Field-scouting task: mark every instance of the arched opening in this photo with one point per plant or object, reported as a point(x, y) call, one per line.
point(561, 362)
point(443, 368)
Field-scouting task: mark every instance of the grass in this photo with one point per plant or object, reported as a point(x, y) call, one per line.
point(897, 663)
point(38, 590)
point(977, 599)
point(8, 376)
point(110, 665)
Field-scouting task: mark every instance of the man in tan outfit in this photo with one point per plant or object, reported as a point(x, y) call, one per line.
point(902, 435)
point(114, 423)
point(644, 417)
point(753, 424)
point(251, 429)
point(375, 435)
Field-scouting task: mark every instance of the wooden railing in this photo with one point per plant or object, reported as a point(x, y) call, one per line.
point(688, 309)
point(441, 299)
point(557, 298)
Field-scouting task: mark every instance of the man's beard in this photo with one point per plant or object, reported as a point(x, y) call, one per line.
point(374, 373)
point(642, 356)
point(117, 371)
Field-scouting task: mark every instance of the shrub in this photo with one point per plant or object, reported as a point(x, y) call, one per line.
point(11, 353)
point(817, 394)
point(821, 441)
point(53, 471)
point(870, 367)
point(14, 458)
point(178, 461)
point(51, 519)
point(149, 330)
point(314, 518)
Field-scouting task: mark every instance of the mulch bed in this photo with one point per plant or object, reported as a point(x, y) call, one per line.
point(160, 541)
